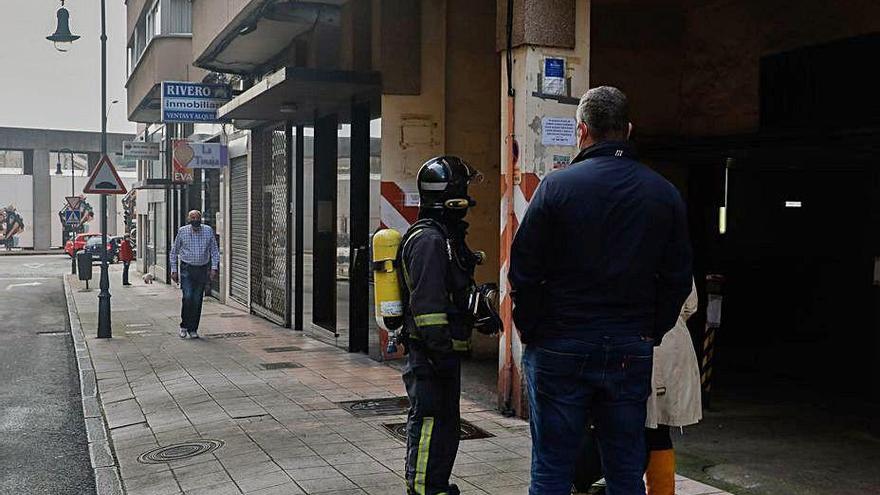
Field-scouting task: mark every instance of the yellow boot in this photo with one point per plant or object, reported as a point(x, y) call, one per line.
point(660, 475)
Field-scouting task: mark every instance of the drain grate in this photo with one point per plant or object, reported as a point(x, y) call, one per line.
point(391, 406)
point(289, 348)
point(179, 451)
point(467, 431)
point(228, 335)
point(280, 366)
point(50, 333)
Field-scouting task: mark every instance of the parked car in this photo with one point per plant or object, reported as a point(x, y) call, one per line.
point(93, 247)
point(79, 242)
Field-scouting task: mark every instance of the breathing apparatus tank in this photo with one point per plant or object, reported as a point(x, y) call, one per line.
point(388, 299)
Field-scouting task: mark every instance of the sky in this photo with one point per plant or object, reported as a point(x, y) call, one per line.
point(45, 89)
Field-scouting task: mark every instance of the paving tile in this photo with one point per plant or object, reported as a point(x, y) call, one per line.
point(290, 488)
point(266, 480)
point(325, 485)
point(203, 480)
point(313, 473)
point(221, 489)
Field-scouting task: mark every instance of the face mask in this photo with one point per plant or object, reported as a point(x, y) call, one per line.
point(195, 223)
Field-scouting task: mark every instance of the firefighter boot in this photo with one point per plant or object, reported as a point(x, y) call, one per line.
point(660, 475)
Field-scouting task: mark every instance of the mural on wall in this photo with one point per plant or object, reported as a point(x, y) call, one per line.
point(11, 225)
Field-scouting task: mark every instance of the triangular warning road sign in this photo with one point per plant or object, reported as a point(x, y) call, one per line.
point(104, 179)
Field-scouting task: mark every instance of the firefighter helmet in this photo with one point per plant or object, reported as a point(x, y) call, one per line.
point(443, 184)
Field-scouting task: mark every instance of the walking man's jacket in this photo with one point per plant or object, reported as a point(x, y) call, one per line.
point(602, 250)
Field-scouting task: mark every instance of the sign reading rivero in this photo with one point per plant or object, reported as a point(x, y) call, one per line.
point(193, 102)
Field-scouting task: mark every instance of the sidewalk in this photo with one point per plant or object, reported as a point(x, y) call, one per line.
point(270, 399)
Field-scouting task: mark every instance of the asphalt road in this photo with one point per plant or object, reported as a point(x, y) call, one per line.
point(43, 446)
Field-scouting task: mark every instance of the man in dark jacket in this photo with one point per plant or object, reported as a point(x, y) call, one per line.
point(599, 270)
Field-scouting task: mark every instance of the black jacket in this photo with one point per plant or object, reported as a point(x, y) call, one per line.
point(437, 278)
point(603, 250)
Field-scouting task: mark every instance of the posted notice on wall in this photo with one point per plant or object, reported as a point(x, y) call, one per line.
point(554, 76)
point(556, 131)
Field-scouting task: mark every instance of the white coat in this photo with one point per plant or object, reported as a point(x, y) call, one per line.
point(676, 381)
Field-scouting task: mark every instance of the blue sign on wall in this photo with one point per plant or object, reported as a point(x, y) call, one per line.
point(193, 102)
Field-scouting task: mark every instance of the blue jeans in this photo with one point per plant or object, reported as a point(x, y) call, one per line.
point(193, 280)
point(607, 379)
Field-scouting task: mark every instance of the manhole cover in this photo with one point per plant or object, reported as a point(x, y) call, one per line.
point(228, 335)
point(179, 451)
point(391, 406)
point(289, 348)
point(52, 333)
point(467, 431)
point(280, 366)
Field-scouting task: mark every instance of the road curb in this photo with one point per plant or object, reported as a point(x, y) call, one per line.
point(105, 465)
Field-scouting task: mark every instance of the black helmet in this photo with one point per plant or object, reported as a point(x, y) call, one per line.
point(443, 183)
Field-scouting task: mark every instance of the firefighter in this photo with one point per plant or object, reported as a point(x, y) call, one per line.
point(437, 272)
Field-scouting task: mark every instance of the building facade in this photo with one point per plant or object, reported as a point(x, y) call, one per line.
point(338, 102)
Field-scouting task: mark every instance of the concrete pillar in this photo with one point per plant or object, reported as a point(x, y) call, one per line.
point(413, 126)
point(42, 200)
point(472, 130)
point(522, 119)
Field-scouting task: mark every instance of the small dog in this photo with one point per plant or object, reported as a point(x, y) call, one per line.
point(148, 278)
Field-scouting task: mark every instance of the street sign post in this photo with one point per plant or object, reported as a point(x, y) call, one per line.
point(140, 150)
point(74, 202)
point(104, 179)
point(72, 217)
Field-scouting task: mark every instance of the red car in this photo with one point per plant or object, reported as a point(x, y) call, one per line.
point(71, 247)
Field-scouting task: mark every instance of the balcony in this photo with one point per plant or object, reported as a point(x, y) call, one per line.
point(166, 58)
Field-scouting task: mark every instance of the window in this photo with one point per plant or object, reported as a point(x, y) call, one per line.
point(11, 162)
point(76, 164)
point(165, 17)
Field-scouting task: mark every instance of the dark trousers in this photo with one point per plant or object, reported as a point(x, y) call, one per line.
point(607, 379)
point(125, 266)
point(434, 387)
point(193, 280)
point(588, 469)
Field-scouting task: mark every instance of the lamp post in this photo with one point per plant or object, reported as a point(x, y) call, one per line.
point(72, 193)
point(61, 37)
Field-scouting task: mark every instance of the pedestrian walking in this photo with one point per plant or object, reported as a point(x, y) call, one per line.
point(196, 249)
point(126, 256)
point(437, 283)
point(600, 268)
point(674, 403)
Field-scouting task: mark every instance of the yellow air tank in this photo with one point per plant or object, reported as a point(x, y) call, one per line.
point(389, 304)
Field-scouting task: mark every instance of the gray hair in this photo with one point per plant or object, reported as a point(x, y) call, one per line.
point(605, 110)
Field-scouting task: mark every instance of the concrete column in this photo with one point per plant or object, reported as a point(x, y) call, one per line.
point(42, 200)
point(522, 118)
point(413, 126)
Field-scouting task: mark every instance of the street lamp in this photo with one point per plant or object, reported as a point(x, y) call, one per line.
point(61, 38)
point(62, 35)
point(72, 193)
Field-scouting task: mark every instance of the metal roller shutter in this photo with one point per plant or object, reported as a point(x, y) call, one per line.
point(239, 278)
point(269, 204)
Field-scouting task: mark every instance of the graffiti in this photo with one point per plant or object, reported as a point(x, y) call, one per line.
point(11, 225)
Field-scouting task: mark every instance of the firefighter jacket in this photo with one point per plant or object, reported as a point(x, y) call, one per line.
point(438, 277)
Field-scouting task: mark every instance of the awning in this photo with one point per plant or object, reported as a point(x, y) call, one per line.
point(298, 94)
